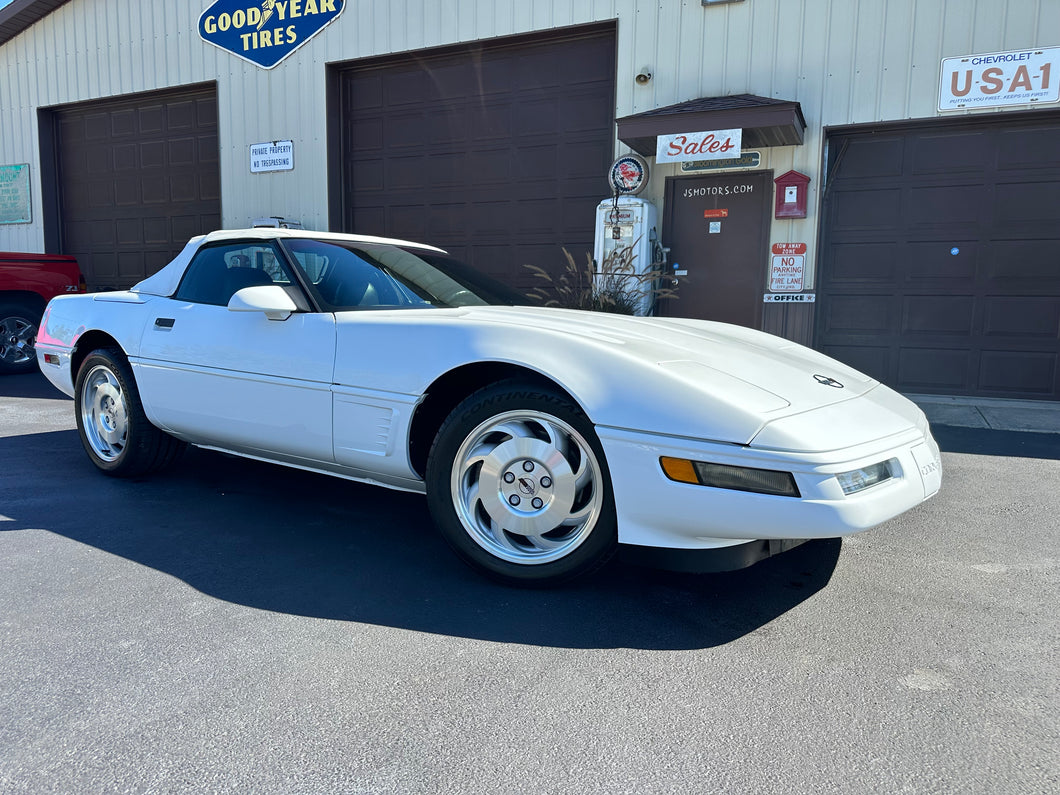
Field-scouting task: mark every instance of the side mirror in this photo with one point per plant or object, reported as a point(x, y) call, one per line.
point(271, 299)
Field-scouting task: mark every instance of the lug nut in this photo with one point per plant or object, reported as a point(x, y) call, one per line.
point(546, 482)
point(514, 499)
point(528, 466)
point(537, 503)
point(509, 477)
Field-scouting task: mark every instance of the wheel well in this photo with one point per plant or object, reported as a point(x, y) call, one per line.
point(86, 343)
point(445, 393)
point(30, 300)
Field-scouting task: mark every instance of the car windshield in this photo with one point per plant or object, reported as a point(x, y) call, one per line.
point(376, 275)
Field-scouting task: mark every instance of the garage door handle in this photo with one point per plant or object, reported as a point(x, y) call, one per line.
point(164, 322)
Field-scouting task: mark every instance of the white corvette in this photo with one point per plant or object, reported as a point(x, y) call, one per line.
point(543, 438)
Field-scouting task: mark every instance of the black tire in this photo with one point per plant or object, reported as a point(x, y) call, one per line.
point(519, 488)
point(114, 430)
point(18, 332)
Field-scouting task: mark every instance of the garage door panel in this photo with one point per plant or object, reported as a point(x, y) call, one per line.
point(99, 160)
point(935, 260)
point(861, 314)
point(1022, 316)
point(950, 204)
point(868, 209)
point(581, 112)
point(151, 118)
point(123, 122)
point(489, 166)
point(97, 126)
point(518, 134)
point(127, 231)
point(103, 234)
point(874, 361)
point(865, 158)
point(489, 122)
point(125, 157)
point(1024, 263)
point(155, 231)
point(1035, 148)
point(930, 369)
point(935, 314)
point(123, 165)
point(969, 254)
point(1028, 201)
point(210, 192)
point(949, 154)
point(180, 115)
point(868, 262)
point(1018, 373)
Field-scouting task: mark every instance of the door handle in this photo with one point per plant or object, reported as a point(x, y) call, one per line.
point(164, 322)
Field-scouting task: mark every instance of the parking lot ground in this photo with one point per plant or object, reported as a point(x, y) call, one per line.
point(230, 626)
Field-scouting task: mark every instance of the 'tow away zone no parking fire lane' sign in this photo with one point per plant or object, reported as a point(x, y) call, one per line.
point(265, 33)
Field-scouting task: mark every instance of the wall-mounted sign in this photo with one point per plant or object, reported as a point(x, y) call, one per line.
point(746, 160)
point(786, 273)
point(271, 156)
point(628, 175)
point(994, 79)
point(787, 268)
point(711, 145)
point(265, 33)
point(14, 194)
point(790, 298)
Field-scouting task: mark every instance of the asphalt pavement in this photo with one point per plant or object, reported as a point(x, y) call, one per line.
point(231, 626)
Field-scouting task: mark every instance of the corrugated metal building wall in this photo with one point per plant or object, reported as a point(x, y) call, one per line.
point(856, 68)
point(845, 61)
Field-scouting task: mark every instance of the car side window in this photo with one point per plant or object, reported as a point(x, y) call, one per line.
point(217, 272)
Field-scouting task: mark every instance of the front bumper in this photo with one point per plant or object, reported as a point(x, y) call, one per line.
point(654, 511)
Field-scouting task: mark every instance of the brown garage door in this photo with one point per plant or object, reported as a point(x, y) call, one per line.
point(940, 256)
point(496, 152)
point(137, 178)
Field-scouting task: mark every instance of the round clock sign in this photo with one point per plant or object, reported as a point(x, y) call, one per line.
point(628, 175)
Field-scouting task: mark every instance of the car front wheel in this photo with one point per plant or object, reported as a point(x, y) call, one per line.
point(115, 432)
point(518, 485)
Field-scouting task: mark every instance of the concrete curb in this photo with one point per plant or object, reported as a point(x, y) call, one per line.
point(1032, 416)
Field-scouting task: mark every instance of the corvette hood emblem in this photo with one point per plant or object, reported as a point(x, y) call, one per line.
point(826, 381)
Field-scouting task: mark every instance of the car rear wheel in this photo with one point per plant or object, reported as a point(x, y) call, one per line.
point(115, 432)
point(18, 332)
point(518, 485)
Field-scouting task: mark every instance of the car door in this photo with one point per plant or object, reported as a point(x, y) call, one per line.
point(239, 380)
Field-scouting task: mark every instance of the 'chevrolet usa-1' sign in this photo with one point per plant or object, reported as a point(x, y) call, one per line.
point(266, 33)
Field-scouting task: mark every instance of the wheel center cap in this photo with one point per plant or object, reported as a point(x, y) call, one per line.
point(527, 486)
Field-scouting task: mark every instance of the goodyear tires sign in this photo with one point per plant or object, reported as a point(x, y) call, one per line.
point(265, 33)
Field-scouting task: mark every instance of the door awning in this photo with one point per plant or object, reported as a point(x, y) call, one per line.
point(764, 121)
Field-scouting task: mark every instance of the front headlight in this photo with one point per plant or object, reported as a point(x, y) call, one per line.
point(860, 479)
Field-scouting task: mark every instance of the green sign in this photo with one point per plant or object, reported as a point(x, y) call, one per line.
point(14, 194)
point(745, 160)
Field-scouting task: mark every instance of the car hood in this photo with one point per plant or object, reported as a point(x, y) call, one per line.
point(678, 377)
point(771, 372)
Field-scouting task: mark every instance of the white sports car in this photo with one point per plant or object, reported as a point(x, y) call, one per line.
point(543, 438)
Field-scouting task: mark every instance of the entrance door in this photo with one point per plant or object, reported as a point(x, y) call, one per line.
point(717, 228)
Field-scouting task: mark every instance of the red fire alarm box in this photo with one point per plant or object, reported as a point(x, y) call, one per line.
point(792, 190)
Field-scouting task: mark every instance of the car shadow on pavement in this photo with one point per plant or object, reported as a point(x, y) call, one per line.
point(29, 385)
point(987, 441)
point(294, 542)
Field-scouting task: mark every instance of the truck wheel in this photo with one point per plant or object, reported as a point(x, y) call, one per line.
point(115, 432)
point(18, 332)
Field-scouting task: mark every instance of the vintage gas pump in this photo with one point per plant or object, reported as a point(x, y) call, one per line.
point(626, 237)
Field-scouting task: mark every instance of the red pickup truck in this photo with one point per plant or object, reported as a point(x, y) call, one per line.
point(27, 283)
